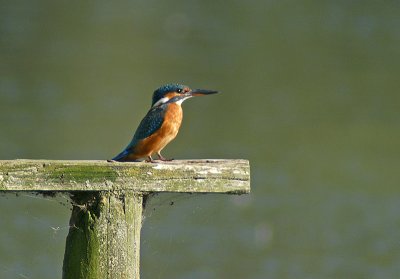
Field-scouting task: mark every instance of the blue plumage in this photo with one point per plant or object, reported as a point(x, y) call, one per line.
point(150, 123)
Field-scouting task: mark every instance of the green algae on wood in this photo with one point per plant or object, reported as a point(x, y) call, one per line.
point(82, 249)
point(104, 236)
point(217, 176)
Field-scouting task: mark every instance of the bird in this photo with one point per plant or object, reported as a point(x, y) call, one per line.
point(161, 123)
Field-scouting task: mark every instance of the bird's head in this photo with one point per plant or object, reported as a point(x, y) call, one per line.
point(177, 93)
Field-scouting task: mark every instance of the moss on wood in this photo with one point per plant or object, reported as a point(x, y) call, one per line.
point(104, 236)
point(217, 176)
point(81, 259)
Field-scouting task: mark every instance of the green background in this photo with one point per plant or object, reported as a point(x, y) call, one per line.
point(309, 94)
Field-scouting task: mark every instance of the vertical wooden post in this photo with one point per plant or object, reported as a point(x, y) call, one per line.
point(104, 236)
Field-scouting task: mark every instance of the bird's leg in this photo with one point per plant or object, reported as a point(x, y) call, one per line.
point(162, 158)
point(150, 160)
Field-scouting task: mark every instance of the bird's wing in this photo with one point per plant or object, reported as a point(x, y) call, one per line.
point(149, 124)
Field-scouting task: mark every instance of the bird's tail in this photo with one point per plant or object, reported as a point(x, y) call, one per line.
point(121, 156)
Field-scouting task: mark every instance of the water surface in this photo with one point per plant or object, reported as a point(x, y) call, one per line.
point(309, 96)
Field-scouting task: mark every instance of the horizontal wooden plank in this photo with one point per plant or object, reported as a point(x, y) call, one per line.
point(189, 176)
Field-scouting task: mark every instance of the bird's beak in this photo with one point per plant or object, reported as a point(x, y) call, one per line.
point(202, 92)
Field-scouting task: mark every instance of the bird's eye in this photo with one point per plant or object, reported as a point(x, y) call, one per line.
point(179, 90)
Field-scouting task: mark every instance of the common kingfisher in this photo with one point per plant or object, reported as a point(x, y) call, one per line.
point(161, 123)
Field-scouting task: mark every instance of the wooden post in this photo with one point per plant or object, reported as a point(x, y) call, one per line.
point(104, 235)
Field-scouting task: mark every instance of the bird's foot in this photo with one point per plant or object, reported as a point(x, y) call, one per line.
point(111, 161)
point(162, 158)
point(150, 160)
point(165, 159)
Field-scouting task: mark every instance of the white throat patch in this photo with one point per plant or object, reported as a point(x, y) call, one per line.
point(181, 100)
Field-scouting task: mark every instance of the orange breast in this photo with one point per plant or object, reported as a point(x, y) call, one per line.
point(167, 132)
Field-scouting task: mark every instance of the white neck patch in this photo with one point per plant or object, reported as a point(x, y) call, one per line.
point(161, 101)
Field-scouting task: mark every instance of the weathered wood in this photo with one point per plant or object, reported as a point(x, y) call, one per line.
point(104, 236)
point(211, 176)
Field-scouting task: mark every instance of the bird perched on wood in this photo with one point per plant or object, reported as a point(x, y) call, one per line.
point(161, 123)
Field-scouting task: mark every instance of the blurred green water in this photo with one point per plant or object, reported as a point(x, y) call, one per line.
point(309, 96)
